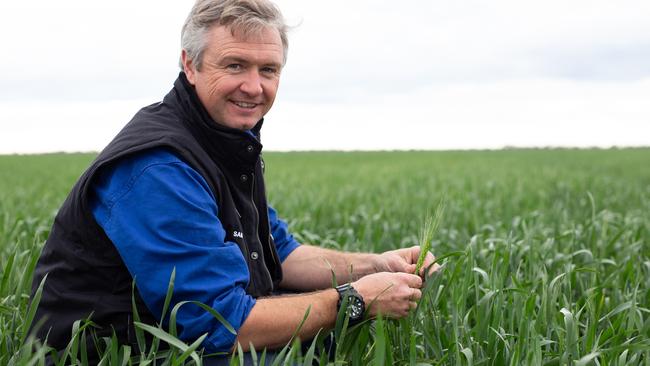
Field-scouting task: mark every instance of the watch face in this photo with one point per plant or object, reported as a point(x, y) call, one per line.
point(355, 307)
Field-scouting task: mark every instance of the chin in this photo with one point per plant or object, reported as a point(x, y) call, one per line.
point(246, 125)
point(239, 125)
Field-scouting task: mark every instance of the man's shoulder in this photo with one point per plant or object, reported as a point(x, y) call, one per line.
point(139, 162)
point(146, 158)
point(142, 175)
point(124, 170)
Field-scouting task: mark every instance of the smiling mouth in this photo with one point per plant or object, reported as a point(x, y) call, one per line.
point(245, 104)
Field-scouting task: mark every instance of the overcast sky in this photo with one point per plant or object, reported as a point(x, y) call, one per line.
point(360, 74)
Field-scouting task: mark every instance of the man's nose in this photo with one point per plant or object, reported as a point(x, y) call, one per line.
point(252, 83)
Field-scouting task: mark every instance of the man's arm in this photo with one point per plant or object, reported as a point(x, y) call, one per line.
point(273, 320)
point(309, 268)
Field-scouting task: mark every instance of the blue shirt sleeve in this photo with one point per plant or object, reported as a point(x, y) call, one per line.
point(160, 214)
point(284, 241)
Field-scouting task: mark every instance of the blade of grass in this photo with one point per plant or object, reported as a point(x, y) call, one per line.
point(168, 338)
point(168, 296)
point(32, 310)
point(214, 313)
point(139, 334)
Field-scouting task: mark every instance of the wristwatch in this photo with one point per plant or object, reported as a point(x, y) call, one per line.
point(355, 304)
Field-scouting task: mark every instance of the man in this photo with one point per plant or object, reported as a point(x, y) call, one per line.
point(181, 187)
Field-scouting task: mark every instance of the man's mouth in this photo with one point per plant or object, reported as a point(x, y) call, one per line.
point(245, 104)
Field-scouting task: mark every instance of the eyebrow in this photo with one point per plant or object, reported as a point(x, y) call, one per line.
point(240, 60)
point(235, 59)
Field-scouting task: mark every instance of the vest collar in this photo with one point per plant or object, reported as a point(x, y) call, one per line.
point(238, 149)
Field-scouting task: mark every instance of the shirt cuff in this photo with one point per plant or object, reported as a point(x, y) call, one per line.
point(287, 248)
point(221, 339)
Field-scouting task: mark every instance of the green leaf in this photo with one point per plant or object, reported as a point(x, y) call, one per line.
point(7, 272)
point(167, 338)
point(126, 354)
point(191, 350)
point(214, 313)
point(380, 342)
point(253, 352)
point(469, 355)
point(309, 356)
point(168, 296)
point(139, 334)
point(621, 307)
point(571, 336)
point(483, 274)
point(240, 354)
point(32, 310)
point(584, 361)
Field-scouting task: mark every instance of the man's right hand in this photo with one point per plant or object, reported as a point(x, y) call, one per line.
point(391, 294)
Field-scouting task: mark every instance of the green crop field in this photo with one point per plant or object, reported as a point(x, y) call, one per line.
point(545, 253)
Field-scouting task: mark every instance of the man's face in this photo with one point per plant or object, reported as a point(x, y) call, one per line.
point(239, 76)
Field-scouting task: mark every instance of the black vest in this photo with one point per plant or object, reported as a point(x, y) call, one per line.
point(86, 274)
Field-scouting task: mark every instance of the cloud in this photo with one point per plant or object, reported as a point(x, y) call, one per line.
point(417, 74)
point(75, 49)
point(378, 46)
point(66, 50)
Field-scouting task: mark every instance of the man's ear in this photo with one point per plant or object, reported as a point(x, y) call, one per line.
point(188, 67)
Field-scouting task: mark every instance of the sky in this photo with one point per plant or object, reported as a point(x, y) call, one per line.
point(361, 75)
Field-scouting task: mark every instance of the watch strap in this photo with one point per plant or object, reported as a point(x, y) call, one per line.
point(347, 290)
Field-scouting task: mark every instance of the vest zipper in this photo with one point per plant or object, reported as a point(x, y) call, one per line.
point(256, 222)
point(257, 213)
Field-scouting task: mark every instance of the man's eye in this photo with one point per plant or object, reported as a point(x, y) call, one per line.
point(269, 70)
point(234, 67)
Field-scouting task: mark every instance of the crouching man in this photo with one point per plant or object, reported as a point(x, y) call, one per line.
point(181, 187)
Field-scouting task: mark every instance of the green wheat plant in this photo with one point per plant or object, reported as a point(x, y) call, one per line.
point(430, 227)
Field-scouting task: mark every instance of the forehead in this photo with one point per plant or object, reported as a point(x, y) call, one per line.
point(263, 45)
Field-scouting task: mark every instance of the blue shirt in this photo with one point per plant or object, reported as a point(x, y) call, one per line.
point(161, 214)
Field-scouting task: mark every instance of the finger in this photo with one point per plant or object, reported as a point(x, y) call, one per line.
point(428, 260)
point(415, 253)
point(396, 314)
point(415, 295)
point(411, 268)
point(434, 268)
point(398, 263)
point(403, 267)
point(404, 312)
point(413, 304)
point(412, 280)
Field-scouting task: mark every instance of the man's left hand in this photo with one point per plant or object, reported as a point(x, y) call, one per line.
point(404, 260)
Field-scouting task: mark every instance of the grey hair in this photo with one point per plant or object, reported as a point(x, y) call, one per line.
point(246, 16)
